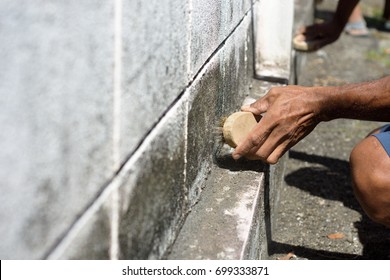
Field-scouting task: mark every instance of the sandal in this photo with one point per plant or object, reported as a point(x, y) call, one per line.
point(386, 25)
point(301, 44)
point(356, 29)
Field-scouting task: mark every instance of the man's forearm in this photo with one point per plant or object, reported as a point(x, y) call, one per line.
point(343, 11)
point(363, 101)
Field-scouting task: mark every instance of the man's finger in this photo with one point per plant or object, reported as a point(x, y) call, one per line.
point(274, 157)
point(257, 108)
point(273, 147)
point(254, 140)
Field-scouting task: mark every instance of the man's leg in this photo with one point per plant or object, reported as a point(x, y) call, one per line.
point(370, 168)
point(386, 10)
point(386, 15)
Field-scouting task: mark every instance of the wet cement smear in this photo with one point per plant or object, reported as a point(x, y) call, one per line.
point(243, 212)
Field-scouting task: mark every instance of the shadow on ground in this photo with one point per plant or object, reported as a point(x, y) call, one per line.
point(333, 182)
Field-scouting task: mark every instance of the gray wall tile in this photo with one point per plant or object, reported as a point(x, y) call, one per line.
point(55, 98)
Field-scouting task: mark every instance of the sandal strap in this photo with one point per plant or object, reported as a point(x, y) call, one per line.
point(356, 25)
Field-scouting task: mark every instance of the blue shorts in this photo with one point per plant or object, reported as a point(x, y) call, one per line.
point(384, 137)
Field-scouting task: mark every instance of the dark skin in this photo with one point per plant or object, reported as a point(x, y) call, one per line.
point(370, 167)
point(386, 10)
point(292, 112)
point(328, 32)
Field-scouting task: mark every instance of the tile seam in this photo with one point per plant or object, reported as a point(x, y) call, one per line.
point(118, 47)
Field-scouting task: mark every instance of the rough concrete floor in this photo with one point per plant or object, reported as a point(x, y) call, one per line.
point(317, 199)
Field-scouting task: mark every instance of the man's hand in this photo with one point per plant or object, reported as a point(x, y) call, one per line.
point(291, 113)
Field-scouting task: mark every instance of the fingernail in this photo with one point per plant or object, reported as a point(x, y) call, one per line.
point(248, 101)
point(236, 156)
point(246, 107)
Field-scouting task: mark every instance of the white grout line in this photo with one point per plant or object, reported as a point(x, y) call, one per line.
point(185, 188)
point(117, 81)
point(189, 38)
point(114, 249)
point(118, 13)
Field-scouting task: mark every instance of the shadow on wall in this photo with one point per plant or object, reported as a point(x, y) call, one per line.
point(227, 162)
point(334, 183)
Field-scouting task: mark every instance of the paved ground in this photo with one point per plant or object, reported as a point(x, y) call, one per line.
point(317, 199)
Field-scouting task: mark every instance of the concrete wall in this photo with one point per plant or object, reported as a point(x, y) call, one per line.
point(108, 116)
point(56, 83)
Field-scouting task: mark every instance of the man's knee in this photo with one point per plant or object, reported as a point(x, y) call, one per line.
point(370, 165)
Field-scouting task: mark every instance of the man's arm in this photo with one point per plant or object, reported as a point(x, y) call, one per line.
point(343, 11)
point(292, 112)
point(364, 101)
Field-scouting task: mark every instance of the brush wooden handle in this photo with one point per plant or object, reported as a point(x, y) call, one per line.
point(237, 126)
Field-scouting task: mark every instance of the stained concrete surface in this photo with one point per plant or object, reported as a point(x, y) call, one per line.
point(316, 198)
point(231, 203)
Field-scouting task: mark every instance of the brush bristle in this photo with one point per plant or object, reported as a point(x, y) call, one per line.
point(218, 129)
point(222, 121)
